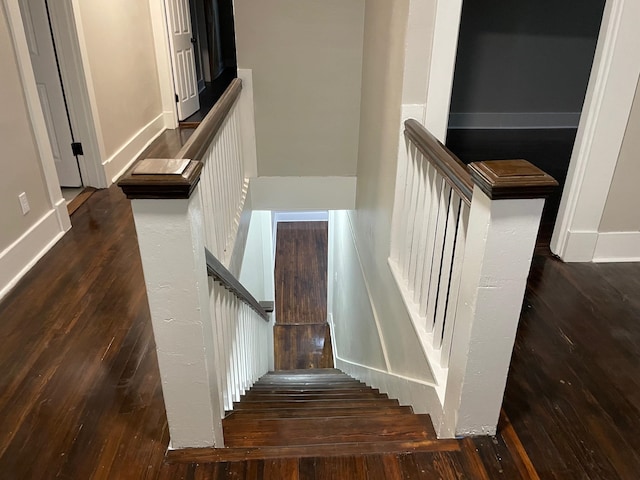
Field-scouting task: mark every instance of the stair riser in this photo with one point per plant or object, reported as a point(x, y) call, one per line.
point(316, 412)
point(249, 405)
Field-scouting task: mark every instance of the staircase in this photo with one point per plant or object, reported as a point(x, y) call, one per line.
point(322, 412)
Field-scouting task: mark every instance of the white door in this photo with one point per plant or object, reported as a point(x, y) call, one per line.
point(181, 41)
point(45, 68)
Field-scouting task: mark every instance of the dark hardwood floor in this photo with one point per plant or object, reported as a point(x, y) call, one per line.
point(573, 392)
point(302, 337)
point(301, 272)
point(81, 398)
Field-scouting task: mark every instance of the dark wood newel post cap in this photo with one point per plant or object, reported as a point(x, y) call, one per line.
point(158, 178)
point(511, 179)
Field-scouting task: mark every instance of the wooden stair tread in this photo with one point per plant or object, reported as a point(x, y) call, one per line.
point(254, 396)
point(309, 388)
point(342, 411)
point(248, 404)
point(306, 379)
point(231, 454)
point(315, 431)
point(309, 371)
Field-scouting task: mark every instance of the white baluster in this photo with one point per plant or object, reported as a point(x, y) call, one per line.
point(445, 268)
point(456, 275)
point(434, 284)
point(424, 228)
point(434, 211)
point(411, 219)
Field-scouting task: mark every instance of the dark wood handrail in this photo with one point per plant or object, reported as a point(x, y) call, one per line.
point(159, 180)
point(445, 162)
point(498, 179)
point(220, 273)
point(198, 143)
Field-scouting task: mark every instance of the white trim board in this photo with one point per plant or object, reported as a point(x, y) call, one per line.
point(443, 59)
point(513, 120)
point(36, 116)
point(303, 193)
point(19, 257)
point(617, 247)
point(315, 216)
point(79, 98)
point(119, 162)
point(158, 14)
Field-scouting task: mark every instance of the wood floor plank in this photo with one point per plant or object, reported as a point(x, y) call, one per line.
point(302, 346)
point(301, 272)
point(205, 455)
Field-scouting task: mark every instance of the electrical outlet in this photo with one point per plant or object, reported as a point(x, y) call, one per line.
point(24, 203)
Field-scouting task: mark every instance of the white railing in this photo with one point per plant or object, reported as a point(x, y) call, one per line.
point(212, 336)
point(461, 247)
point(240, 333)
point(427, 252)
point(223, 186)
point(226, 188)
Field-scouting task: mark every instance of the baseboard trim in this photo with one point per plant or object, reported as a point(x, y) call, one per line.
point(420, 395)
point(509, 120)
point(579, 246)
point(19, 257)
point(170, 121)
point(303, 193)
point(119, 162)
point(617, 247)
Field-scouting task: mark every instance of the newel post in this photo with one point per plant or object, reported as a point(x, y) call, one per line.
point(506, 208)
point(169, 223)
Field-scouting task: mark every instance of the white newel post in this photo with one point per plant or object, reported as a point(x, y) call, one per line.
point(505, 214)
point(169, 224)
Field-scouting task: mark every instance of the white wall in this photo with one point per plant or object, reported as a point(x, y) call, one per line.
point(382, 94)
point(306, 57)
point(354, 325)
point(117, 42)
point(256, 273)
point(619, 231)
point(617, 215)
point(362, 336)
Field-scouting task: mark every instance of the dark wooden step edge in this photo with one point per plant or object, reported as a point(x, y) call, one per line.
point(207, 455)
point(236, 415)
